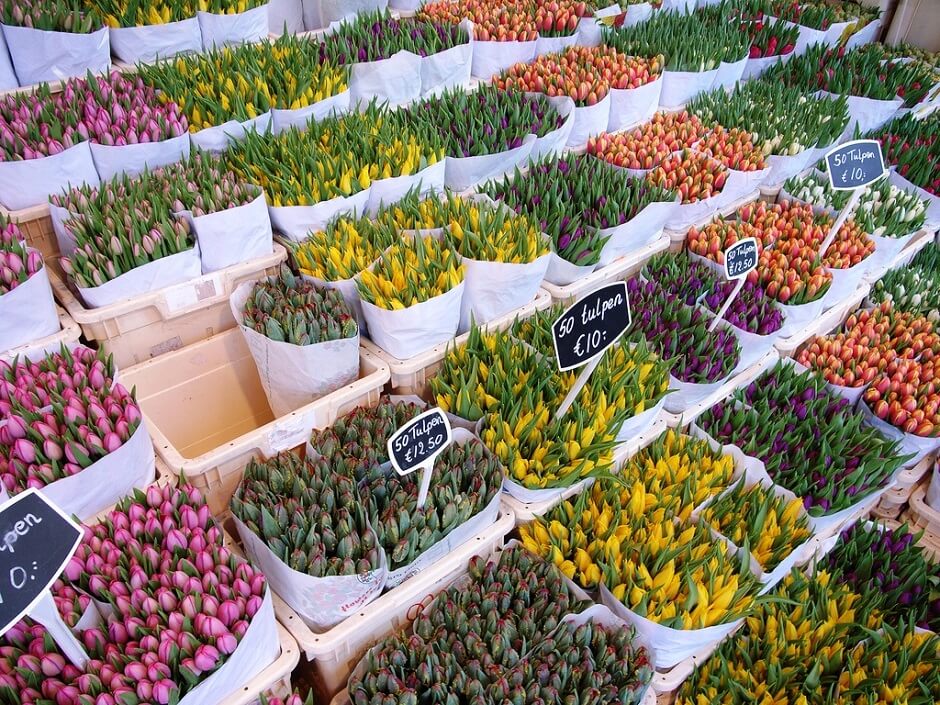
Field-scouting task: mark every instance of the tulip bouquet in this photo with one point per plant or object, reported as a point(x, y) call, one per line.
point(584, 74)
point(759, 520)
point(912, 146)
point(519, 20)
point(128, 13)
point(17, 262)
point(790, 271)
point(646, 146)
point(915, 288)
point(903, 50)
point(679, 333)
point(793, 655)
point(712, 240)
point(681, 276)
point(841, 460)
point(694, 175)
point(734, 149)
point(294, 311)
point(455, 117)
point(905, 395)
point(853, 73)
point(310, 516)
point(752, 310)
point(55, 16)
point(376, 35)
point(575, 198)
point(241, 83)
point(768, 38)
point(910, 661)
point(346, 246)
point(111, 110)
point(466, 480)
point(780, 118)
point(410, 273)
point(850, 246)
point(292, 699)
point(62, 413)
point(333, 158)
point(889, 569)
point(179, 605)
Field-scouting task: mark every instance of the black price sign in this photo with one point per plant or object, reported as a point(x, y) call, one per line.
point(591, 326)
point(417, 443)
point(855, 164)
point(741, 258)
point(36, 542)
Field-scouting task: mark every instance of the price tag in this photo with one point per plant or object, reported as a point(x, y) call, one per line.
point(417, 444)
point(583, 332)
point(741, 258)
point(855, 164)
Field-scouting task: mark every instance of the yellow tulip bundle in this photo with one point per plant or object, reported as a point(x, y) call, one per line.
point(491, 234)
point(133, 13)
point(899, 666)
point(411, 272)
point(761, 521)
point(346, 247)
point(241, 83)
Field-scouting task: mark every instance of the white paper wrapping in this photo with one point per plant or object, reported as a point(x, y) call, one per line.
point(886, 252)
point(809, 36)
point(145, 279)
point(932, 221)
point(286, 16)
point(845, 282)
point(682, 215)
point(64, 237)
point(492, 57)
point(221, 137)
point(554, 45)
point(238, 28)
point(561, 272)
point(295, 375)
point(493, 289)
point(636, 426)
point(800, 316)
point(641, 230)
point(754, 68)
point(396, 80)
point(257, 650)
point(283, 119)
point(460, 173)
point(30, 182)
point(729, 73)
point(28, 313)
point(232, 236)
point(107, 480)
point(589, 120)
point(132, 159)
point(295, 222)
point(333, 10)
point(679, 87)
point(637, 13)
point(868, 114)
point(158, 41)
point(933, 489)
point(39, 55)
point(782, 167)
point(919, 446)
point(448, 68)
point(7, 75)
point(320, 602)
point(392, 190)
point(865, 35)
point(636, 105)
point(411, 331)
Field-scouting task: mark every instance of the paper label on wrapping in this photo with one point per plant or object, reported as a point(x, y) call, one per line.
point(416, 444)
point(855, 164)
point(741, 258)
point(591, 325)
point(37, 540)
point(192, 293)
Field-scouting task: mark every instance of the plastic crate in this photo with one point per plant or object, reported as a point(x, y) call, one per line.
point(895, 500)
point(829, 321)
point(208, 415)
point(68, 335)
point(621, 268)
point(411, 376)
point(36, 226)
point(146, 326)
point(334, 654)
point(275, 680)
point(921, 515)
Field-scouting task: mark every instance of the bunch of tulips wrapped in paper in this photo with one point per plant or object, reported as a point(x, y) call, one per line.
point(127, 13)
point(915, 288)
point(518, 20)
point(911, 145)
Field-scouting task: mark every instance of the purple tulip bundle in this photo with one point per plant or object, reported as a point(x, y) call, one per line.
point(111, 110)
point(180, 604)
point(752, 310)
point(62, 414)
point(17, 263)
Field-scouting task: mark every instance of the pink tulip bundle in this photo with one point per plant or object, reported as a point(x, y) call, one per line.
point(9, 233)
point(62, 414)
point(180, 604)
point(17, 263)
point(111, 110)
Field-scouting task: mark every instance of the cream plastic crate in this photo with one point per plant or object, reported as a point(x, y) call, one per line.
point(528, 511)
point(677, 237)
point(411, 376)
point(275, 680)
point(334, 654)
point(921, 514)
point(208, 415)
point(146, 326)
point(895, 499)
point(621, 268)
point(829, 321)
point(67, 336)
point(36, 226)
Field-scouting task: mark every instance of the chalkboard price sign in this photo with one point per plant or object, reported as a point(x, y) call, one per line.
point(855, 164)
point(741, 258)
point(36, 542)
point(591, 326)
point(417, 443)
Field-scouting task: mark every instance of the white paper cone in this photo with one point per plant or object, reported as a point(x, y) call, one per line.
point(389, 191)
point(589, 120)
point(39, 55)
point(629, 107)
point(396, 80)
point(561, 272)
point(296, 222)
point(334, 10)
point(460, 173)
point(409, 332)
point(754, 68)
point(493, 289)
point(132, 159)
point(159, 41)
point(286, 16)
point(238, 28)
point(868, 114)
point(642, 229)
point(145, 279)
point(636, 14)
point(449, 68)
point(28, 312)
point(64, 237)
point(554, 45)
point(919, 446)
point(30, 182)
point(491, 57)
point(636, 426)
point(729, 73)
point(285, 119)
point(221, 137)
point(7, 75)
point(679, 87)
point(233, 236)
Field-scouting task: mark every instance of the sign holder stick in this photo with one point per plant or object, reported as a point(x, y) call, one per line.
point(724, 307)
point(47, 614)
point(426, 472)
point(578, 386)
point(843, 216)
